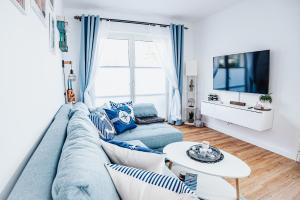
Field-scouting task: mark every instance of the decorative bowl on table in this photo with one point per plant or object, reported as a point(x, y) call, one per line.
point(205, 153)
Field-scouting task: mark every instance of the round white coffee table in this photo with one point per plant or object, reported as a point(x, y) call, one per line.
point(229, 167)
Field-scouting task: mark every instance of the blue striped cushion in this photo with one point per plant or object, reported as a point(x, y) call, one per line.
point(103, 124)
point(165, 187)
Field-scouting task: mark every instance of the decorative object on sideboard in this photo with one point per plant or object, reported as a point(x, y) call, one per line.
point(238, 103)
point(69, 92)
point(62, 28)
point(213, 97)
point(266, 100)
point(198, 119)
point(191, 116)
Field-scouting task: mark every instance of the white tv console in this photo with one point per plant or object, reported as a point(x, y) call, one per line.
point(240, 115)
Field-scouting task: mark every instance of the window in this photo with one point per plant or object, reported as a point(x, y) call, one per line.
point(129, 70)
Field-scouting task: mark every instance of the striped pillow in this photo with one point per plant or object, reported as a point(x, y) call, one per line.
point(135, 184)
point(103, 124)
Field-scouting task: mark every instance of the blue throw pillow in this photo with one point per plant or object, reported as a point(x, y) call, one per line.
point(121, 119)
point(103, 124)
point(128, 104)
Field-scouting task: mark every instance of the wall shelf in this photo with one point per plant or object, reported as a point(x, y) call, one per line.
point(239, 115)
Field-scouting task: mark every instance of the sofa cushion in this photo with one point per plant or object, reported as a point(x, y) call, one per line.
point(142, 157)
point(121, 119)
point(144, 110)
point(105, 128)
point(154, 136)
point(149, 120)
point(137, 184)
point(81, 172)
point(79, 106)
point(128, 104)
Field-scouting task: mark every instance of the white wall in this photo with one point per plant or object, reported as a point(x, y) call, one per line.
point(31, 88)
point(74, 31)
point(257, 25)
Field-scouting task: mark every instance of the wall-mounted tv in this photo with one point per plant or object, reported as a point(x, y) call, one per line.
point(243, 72)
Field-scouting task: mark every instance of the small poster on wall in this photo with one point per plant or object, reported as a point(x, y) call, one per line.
point(20, 4)
point(39, 6)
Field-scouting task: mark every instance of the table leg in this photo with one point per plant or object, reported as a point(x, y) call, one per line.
point(237, 185)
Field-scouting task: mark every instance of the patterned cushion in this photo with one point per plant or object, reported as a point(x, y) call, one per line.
point(134, 156)
point(135, 184)
point(121, 119)
point(128, 104)
point(103, 124)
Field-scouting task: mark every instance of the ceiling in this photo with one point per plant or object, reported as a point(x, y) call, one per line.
point(179, 9)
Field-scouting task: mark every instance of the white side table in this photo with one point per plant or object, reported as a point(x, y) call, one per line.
point(229, 167)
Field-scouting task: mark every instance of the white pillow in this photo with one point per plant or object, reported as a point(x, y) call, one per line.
point(136, 184)
point(130, 157)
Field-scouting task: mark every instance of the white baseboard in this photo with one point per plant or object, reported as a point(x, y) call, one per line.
point(258, 143)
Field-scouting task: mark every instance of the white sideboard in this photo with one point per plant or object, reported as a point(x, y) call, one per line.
point(240, 115)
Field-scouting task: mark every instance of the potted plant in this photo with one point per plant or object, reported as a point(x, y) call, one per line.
point(266, 100)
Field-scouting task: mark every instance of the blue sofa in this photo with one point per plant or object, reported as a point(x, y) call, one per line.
point(35, 181)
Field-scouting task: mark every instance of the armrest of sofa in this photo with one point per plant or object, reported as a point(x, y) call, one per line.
point(35, 181)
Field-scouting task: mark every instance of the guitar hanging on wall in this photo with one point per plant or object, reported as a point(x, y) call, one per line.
point(69, 92)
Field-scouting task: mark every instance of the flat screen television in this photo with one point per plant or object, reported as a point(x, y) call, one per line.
point(243, 72)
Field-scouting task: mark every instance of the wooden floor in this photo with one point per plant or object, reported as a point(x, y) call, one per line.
point(273, 176)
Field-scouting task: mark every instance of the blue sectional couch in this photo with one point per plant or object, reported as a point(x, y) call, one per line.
point(36, 179)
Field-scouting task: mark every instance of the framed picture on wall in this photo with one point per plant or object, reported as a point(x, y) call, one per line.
point(51, 4)
point(21, 5)
point(39, 7)
point(52, 37)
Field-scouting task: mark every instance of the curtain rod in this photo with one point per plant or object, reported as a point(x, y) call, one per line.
point(129, 22)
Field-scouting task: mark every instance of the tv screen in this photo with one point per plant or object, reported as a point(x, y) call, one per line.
point(243, 72)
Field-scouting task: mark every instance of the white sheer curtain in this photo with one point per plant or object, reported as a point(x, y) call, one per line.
point(89, 94)
point(162, 40)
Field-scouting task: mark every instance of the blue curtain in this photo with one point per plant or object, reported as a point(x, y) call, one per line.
point(89, 35)
point(177, 37)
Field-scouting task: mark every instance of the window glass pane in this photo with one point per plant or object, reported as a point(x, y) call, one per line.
point(145, 54)
point(159, 101)
point(114, 53)
point(112, 82)
point(101, 101)
point(149, 81)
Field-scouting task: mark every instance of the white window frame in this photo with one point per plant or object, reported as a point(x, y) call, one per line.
point(132, 38)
